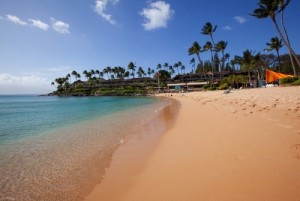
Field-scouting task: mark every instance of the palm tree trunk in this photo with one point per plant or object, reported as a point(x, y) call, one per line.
point(249, 77)
point(286, 44)
point(212, 66)
point(278, 57)
point(288, 40)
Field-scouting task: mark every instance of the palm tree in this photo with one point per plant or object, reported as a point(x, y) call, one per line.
point(275, 44)
point(131, 67)
point(74, 73)
point(208, 29)
point(182, 69)
point(158, 66)
point(208, 46)
point(166, 65)
point(85, 73)
point(227, 57)
point(171, 70)
point(68, 77)
point(195, 49)
point(221, 46)
point(192, 61)
point(141, 72)
point(249, 62)
point(176, 66)
point(149, 71)
point(270, 8)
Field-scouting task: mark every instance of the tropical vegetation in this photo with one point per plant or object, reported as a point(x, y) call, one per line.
point(220, 71)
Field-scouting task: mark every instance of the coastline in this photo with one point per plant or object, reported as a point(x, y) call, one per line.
point(244, 145)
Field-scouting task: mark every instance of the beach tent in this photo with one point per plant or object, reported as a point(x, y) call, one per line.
point(272, 76)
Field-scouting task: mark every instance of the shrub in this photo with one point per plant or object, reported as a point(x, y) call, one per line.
point(287, 80)
point(206, 86)
point(211, 88)
point(223, 86)
point(296, 83)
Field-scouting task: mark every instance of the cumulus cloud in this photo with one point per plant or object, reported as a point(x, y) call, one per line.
point(100, 9)
point(60, 26)
point(240, 19)
point(227, 28)
point(14, 19)
point(39, 24)
point(13, 84)
point(157, 15)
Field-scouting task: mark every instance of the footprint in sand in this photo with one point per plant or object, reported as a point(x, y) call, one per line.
point(296, 148)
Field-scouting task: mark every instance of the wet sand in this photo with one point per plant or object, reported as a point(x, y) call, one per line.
point(244, 145)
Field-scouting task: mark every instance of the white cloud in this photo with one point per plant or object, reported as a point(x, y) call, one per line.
point(240, 19)
point(157, 15)
point(39, 24)
point(14, 19)
point(100, 9)
point(13, 84)
point(227, 28)
point(60, 26)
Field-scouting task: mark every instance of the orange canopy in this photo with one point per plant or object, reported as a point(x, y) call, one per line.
point(272, 76)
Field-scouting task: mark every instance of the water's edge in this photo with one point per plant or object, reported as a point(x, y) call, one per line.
point(148, 136)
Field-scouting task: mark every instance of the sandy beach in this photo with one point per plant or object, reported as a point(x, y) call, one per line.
point(244, 145)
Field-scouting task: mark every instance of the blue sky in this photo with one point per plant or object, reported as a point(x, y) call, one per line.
point(41, 40)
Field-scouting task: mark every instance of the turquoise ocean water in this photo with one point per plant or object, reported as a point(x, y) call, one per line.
point(57, 148)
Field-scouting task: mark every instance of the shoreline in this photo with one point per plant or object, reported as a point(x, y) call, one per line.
point(130, 157)
point(244, 145)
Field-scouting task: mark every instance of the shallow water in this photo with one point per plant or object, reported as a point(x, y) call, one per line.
point(66, 144)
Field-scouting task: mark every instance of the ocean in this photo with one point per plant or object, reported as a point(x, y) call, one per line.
point(58, 148)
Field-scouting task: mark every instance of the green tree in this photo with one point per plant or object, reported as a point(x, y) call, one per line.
point(132, 67)
point(220, 47)
point(192, 61)
point(209, 29)
point(275, 44)
point(270, 8)
point(141, 72)
point(162, 76)
point(249, 62)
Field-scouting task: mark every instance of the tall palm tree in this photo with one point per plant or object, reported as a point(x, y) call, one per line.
point(226, 58)
point(208, 29)
point(171, 70)
point(220, 47)
point(149, 71)
point(275, 44)
point(270, 8)
point(182, 69)
point(209, 47)
point(166, 66)
point(195, 49)
point(176, 66)
point(249, 62)
point(192, 61)
point(74, 73)
point(141, 72)
point(158, 66)
point(131, 67)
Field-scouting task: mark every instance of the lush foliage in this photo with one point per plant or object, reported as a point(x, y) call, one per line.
point(288, 80)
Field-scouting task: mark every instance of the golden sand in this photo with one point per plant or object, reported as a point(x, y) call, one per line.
point(244, 145)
